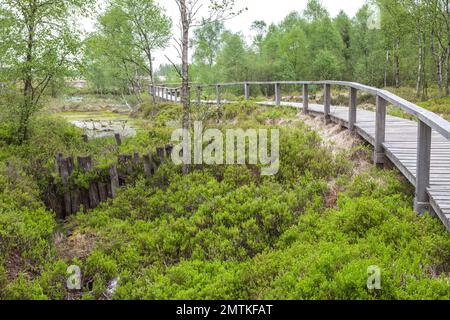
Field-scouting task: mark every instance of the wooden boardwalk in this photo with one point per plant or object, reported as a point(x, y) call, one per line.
point(400, 143)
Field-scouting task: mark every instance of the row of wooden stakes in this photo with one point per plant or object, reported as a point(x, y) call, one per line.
point(66, 199)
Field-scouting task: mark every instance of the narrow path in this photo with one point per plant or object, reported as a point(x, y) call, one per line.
point(401, 149)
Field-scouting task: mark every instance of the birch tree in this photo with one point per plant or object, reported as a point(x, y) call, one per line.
point(38, 42)
point(190, 17)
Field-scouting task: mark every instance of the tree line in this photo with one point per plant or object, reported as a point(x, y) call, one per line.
point(387, 43)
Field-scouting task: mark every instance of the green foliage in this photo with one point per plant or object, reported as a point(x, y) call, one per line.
point(220, 232)
point(123, 47)
point(39, 45)
point(226, 234)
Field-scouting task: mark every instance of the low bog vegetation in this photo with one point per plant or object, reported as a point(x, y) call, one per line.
point(221, 232)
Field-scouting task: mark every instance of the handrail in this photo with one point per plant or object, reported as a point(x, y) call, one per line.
point(431, 119)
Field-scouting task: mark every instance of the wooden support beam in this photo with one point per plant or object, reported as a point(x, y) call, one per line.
point(379, 157)
point(148, 165)
point(247, 91)
point(152, 90)
point(102, 191)
point(59, 157)
point(278, 94)
point(160, 153)
point(352, 108)
point(327, 102)
point(84, 163)
point(305, 99)
point(114, 176)
point(136, 158)
point(422, 201)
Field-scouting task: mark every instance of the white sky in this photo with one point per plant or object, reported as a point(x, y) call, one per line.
point(271, 11)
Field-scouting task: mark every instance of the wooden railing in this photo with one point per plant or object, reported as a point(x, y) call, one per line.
point(427, 121)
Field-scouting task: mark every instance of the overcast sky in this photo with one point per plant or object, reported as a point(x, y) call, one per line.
point(271, 11)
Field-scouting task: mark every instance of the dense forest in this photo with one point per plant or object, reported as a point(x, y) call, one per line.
point(317, 229)
point(387, 43)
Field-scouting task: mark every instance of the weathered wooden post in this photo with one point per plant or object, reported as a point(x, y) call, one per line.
point(327, 102)
point(160, 152)
point(422, 201)
point(118, 139)
point(152, 90)
point(114, 176)
point(75, 200)
point(169, 149)
point(94, 199)
point(59, 157)
point(218, 95)
point(380, 131)
point(305, 99)
point(126, 160)
point(136, 158)
point(352, 108)
point(148, 165)
point(277, 94)
point(247, 91)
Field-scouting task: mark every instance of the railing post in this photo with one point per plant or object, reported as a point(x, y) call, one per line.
point(199, 95)
point(218, 94)
point(422, 201)
point(380, 131)
point(352, 108)
point(277, 94)
point(305, 99)
point(327, 102)
point(247, 91)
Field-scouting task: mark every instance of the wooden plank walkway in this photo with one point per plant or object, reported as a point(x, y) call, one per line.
point(401, 149)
